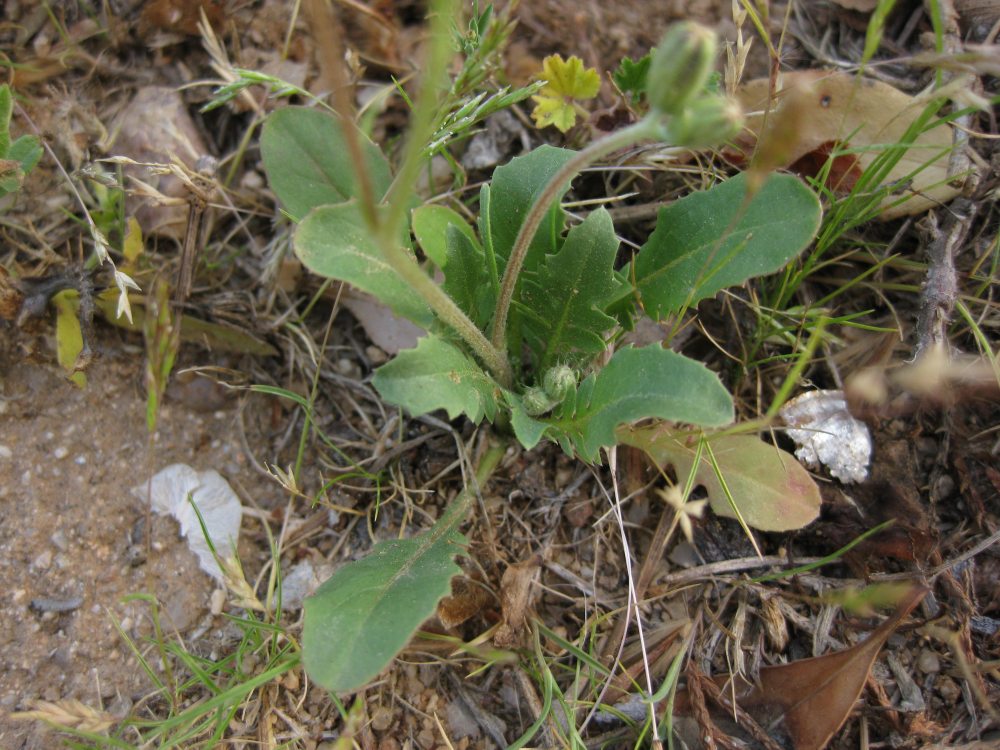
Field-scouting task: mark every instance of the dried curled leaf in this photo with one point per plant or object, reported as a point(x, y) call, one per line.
point(809, 700)
point(568, 82)
point(813, 114)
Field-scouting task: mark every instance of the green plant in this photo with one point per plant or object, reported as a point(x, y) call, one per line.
point(18, 157)
point(523, 331)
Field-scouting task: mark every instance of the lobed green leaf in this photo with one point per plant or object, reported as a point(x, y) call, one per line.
point(467, 277)
point(513, 191)
point(721, 237)
point(437, 375)
point(564, 320)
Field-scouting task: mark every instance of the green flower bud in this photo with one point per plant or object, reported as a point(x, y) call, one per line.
point(558, 382)
point(680, 67)
point(537, 402)
point(708, 121)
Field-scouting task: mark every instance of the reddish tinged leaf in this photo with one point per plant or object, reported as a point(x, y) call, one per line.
point(809, 700)
point(845, 171)
point(768, 486)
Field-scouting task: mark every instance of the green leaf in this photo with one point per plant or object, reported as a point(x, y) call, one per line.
point(22, 156)
point(430, 226)
point(569, 78)
point(770, 489)
point(366, 612)
point(630, 77)
point(27, 151)
point(437, 375)
point(69, 335)
point(551, 110)
point(308, 163)
point(647, 382)
point(467, 278)
point(6, 108)
point(714, 239)
point(334, 241)
point(11, 177)
point(528, 430)
point(513, 191)
point(564, 300)
point(567, 81)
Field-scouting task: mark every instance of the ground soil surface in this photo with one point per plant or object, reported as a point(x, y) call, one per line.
point(77, 541)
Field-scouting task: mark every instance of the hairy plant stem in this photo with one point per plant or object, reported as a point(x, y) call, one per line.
point(328, 32)
point(645, 128)
point(459, 508)
point(387, 229)
point(446, 309)
point(385, 224)
point(422, 119)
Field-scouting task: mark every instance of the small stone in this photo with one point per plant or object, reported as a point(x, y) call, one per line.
point(6, 452)
point(928, 662)
point(43, 561)
point(949, 691)
point(376, 356)
point(345, 366)
point(425, 739)
point(943, 487)
point(61, 452)
point(381, 719)
point(58, 540)
point(217, 602)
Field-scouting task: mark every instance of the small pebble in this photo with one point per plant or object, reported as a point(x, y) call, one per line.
point(943, 487)
point(6, 452)
point(381, 719)
point(949, 691)
point(928, 662)
point(45, 605)
point(43, 561)
point(217, 602)
point(375, 355)
point(61, 452)
point(58, 539)
point(984, 625)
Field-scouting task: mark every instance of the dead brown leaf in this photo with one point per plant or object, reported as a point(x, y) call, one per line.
point(180, 16)
point(156, 127)
point(515, 599)
point(813, 112)
point(809, 700)
point(467, 599)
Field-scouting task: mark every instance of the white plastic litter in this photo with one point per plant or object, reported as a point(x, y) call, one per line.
point(219, 507)
point(827, 434)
